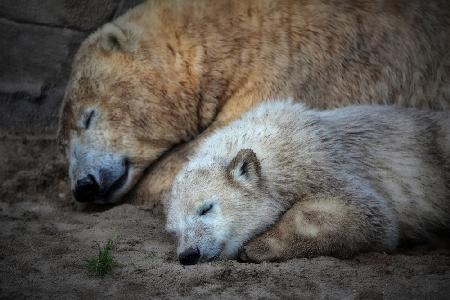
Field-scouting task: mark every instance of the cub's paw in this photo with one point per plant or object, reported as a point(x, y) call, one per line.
point(260, 250)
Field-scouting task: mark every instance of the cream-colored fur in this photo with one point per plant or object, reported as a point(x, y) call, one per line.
point(167, 70)
point(172, 71)
point(356, 179)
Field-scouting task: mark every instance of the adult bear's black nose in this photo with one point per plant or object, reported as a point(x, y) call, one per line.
point(190, 256)
point(86, 189)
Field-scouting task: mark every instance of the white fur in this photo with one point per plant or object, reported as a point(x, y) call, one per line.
point(382, 156)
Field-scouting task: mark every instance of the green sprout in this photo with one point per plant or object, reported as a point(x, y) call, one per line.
point(104, 261)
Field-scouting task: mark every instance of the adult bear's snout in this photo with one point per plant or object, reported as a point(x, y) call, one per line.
point(97, 176)
point(86, 189)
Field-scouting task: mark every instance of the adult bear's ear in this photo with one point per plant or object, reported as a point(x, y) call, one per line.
point(245, 168)
point(113, 37)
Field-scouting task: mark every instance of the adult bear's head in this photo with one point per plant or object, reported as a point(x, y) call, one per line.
point(132, 95)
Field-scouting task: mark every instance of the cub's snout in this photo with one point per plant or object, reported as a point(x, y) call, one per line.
point(190, 256)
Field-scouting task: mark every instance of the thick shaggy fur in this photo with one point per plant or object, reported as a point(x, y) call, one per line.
point(361, 178)
point(169, 70)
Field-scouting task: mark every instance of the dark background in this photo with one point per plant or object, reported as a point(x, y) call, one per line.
point(38, 40)
point(46, 238)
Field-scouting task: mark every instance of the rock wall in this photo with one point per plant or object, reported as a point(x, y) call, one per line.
point(38, 39)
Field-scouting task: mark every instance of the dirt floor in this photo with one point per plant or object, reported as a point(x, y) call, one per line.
point(46, 240)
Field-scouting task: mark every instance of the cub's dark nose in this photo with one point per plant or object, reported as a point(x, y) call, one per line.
point(86, 189)
point(190, 256)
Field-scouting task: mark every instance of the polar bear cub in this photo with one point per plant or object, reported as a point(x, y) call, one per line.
point(360, 178)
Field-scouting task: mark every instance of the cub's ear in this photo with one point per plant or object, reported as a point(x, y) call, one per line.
point(113, 37)
point(245, 168)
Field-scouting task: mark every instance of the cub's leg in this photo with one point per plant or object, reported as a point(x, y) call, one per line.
point(325, 225)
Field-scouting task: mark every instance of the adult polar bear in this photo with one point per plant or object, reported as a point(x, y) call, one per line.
point(167, 70)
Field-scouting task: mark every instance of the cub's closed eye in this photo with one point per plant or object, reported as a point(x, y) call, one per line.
point(88, 120)
point(205, 209)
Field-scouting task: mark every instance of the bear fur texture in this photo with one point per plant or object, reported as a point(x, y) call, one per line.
point(355, 179)
point(167, 70)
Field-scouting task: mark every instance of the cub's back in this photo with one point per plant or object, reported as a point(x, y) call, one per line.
point(405, 153)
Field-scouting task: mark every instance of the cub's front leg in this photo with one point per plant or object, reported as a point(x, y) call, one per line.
point(325, 225)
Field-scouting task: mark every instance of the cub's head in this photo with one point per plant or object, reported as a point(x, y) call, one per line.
point(216, 205)
point(128, 101)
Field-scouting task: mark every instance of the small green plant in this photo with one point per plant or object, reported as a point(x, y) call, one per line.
point(104, 261)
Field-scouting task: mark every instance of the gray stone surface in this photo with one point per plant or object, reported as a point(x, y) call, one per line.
point(82, 15)
point(125, 5)
point(38, 41)
point(35, 64)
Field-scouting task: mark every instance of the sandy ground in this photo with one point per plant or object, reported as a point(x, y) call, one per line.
point(46, 240)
